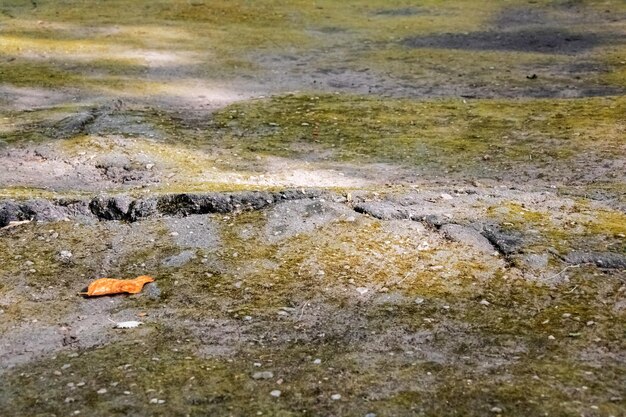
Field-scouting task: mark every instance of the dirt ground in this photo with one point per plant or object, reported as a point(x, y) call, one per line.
point(360, 208)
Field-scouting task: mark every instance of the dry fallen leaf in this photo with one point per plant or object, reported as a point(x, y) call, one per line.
point(108, 286)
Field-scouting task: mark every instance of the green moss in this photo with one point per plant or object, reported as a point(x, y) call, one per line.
point(440, 135)
point(611, 223)
point(429, 350)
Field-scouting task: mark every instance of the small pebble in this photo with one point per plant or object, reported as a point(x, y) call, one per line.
point(362, 290)
point(551, 337)
point(276, 393)
point(485, 302)
point(335, 397)
point(65, 255)
point(496, 410)
point(317, 361)
point(419, 300)
point(102, 391)
point(263, 375)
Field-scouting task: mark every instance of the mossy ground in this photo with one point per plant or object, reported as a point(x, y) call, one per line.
point(404, 321)
point(534, 349)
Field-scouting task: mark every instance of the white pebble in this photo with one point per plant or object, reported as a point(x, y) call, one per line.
point(335, 397)
point(276, 393)
point(263, 375)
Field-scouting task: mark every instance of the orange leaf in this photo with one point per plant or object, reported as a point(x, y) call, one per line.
point(107, 286)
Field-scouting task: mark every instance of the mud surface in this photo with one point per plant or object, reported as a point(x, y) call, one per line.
point(365, 208)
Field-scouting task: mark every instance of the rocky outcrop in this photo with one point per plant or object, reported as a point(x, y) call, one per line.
point(126, 208)
point(609, 260)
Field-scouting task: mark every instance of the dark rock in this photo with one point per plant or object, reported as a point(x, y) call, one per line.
point(176, 204)
point(43, 210)
point(186, 204)
point(383, 210)
point(507, 242)
point(124, 207)
point(142, 208)
point(111, 208)
point(467, 236)
point(609, 260)
point(435, 220)
point(216, 203)
point(74, 124)
point(252, 200)
point(10, 211)
point(74, 207)
point(297, 194)
point(152, 291)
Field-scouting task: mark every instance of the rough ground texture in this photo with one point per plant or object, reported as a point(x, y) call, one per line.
point(360, 208)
